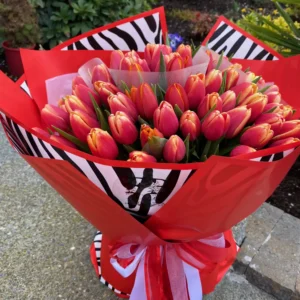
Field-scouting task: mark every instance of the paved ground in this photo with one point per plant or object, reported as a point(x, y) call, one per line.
point(44, 243)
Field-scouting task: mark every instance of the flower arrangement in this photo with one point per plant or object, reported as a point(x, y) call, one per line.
point(223, 111)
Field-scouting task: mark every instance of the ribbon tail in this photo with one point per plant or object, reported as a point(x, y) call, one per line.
point(193, 280)
point(139, 289)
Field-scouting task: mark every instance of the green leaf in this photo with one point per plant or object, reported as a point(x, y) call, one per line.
point(129, 149)
point(124, 86)
point(178, 111)
point(223, 85)
point(73, 139)
point(205, 151)
point(167, 39)
point(219, 61)
point(162, 70)
point(206, 115)
point(237, 99)
point(264, 89)
point(288, 19)
point(256, 79)
point(296, 2)
point(247, 70)
point(100, 116)
point(187, 148)
point(142, 121)
point(270, 110)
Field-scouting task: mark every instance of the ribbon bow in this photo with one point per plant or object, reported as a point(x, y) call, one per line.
point(170, 271)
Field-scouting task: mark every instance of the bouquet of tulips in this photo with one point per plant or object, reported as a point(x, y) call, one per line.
point(161, 151)
point(220, 111)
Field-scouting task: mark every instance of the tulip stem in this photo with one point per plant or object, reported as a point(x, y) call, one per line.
point(214, 149)
point(205, 151)
point(226, 150)
point(219, 61)
point(178, 111)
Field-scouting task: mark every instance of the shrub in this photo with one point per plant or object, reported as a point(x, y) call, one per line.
point(61, 20)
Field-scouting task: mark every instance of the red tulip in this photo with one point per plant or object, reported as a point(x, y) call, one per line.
point(133, 55)
point(42, 132)
point(76, 81)
point(132, 94)
point(195, 89)
point(190, 125)
point(241, 149)
point(152, 54)
point(213, 81)
point(101, 73)
point(176, 94)
point(140, 156)
point(215, 125)
point(84, 94)
point(286, 141)
point(146, 101)
point(165, 119)
point(147, 133)
point(61, 140)
point(55, 116)
point(274, 97)
point(174, 150)
point(257, 136)
point(244, 90)
point(105, 89)
point(184, 50)
point(287, 112)
point(275, 107)
point(176, 62)
point(120, 102)
point(115, 59)
point(128, 64)
point(228, 100)
point(209, 101)
point(122, 128)
point(212, 62)
point(167, 58)
point(239, 117)
point(274, 119)
point(82, 124)
point(289, 129)
point(74, 103)
point(257, 103)
point(102, 144)
point(232, 76)
point(250, 76)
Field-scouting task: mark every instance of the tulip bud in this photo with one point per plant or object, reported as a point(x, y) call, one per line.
point(101, 73)
point(288, 129)
point(147, 133)
point(140, 156)
point(61, 140)
point(184, 50)
point(105, 89)
point(82, 124)
point(228, 100)
point(174, 150)
point(190, 125)
point(165, 119)
point(42, 132)
point(257, 103)
point(236, 66)
point(73, 103)
point(120, 102)
point(122, 128)
point(241, 149)
point(144, 65)
point(257, 136)
point(275, 107)
point(128, 64)
point(155, 146)
point(250, 76)
point(176, 94)
point(176, 63)
point(133, 55)
point(274, 119)
point(287, 112)
point(209, 101)
point(55, 116)
point(244, 90)
point(195, 89)
point(239, 117)
point(115, 59)
point(286, 141)
point(84, 94)
point(76, 81)
point(213, 81)
point(274, 97)
point(146, 101)
point(215, 125)
point(272, 88)
point(102, 144)
point(232, 77)
point(132, 94)
point(152, 54)
point(211, 63)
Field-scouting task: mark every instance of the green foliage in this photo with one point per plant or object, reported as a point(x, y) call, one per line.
point(18, 23)
point(279, 30)
point(61, 20)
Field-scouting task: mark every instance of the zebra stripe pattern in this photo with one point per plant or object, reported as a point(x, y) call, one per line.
point(141, 192)
point(132, 35)
point(97, 246)
point(236, 45)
